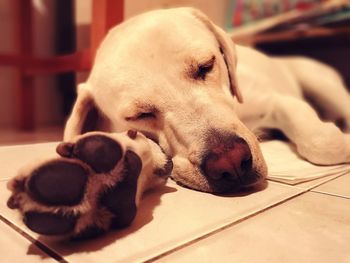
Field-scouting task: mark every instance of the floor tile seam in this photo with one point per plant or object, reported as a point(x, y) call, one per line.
point(41, 246)
point(223, 228)
point(4, 180)
point(330, 180)
point(296, 186)
point(330, 194)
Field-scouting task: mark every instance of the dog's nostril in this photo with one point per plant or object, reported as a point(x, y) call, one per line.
point(246, 164)
point(230, 160)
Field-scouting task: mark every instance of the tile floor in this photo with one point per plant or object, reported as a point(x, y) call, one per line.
point(308, 222)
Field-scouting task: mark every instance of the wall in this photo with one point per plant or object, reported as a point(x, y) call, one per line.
point(6, 74)
point(216, 10)
point(47, 101)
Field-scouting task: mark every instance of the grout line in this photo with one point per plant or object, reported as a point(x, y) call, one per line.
point(229, 225)
point(299, 185)
point(327, 181)
point(222, 228)
point(331, 194)
point(35, 242)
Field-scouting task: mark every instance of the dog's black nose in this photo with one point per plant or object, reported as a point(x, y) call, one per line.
point(230, 159)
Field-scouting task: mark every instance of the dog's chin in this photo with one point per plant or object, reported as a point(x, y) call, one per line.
point(229, 186)
point(221, 186)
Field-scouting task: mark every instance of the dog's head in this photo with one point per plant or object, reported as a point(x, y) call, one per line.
point(171, 75)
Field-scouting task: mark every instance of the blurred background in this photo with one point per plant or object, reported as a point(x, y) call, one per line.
point(47, 46)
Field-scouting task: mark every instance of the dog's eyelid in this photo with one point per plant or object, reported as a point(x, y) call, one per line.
point(204, 68)
point(146, 115)
point(207, 63)
point(143, 114)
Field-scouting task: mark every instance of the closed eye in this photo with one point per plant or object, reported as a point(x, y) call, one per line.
point(203, 69)
point(143, 116)
point(146, 115)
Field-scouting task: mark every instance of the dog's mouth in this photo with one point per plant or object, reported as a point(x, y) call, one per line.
point(153, 137)
point(223, 186)
point(229, 184)
point(191, 176)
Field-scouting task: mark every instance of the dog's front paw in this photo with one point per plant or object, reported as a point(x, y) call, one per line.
point(93, 187)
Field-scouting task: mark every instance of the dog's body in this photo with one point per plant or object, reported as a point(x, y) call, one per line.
point(177, 78)
point(146, 77)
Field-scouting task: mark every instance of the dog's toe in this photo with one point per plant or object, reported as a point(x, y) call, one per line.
point(120, 199)
point(83, 194)
point(13, 202)
point(100, 152)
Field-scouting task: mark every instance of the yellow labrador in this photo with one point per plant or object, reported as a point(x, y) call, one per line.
point(177, 79)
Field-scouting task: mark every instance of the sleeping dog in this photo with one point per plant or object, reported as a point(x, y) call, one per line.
point(169, 91)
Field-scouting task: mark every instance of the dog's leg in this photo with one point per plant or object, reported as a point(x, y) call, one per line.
point(317, 141)
point(96, 184)
point(324, 87)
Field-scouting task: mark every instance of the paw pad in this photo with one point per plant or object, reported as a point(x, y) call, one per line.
point(49, 223)
point(60, 182)
point(125, 192)
point(100, 152)
point(91, 189)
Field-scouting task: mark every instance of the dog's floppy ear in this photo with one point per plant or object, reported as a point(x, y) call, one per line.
point(227, 48)
point(85, 115)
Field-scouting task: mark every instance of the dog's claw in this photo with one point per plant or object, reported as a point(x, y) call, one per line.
point(65, 149)
point(132, 134)
point(12, 202)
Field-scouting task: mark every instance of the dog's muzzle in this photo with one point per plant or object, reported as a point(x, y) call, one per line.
point(229, 163)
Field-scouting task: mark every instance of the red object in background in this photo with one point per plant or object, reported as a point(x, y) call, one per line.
point(304, 5)
point(245, 11)
point(237, 13)
point(106, 13)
